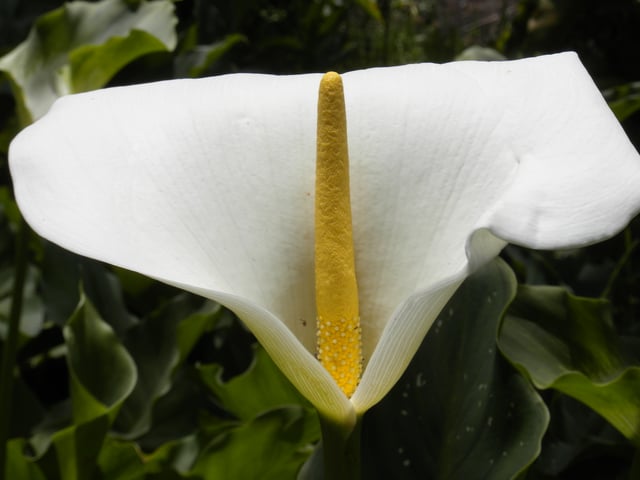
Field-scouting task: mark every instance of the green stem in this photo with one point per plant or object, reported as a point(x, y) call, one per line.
point(385, 10)
point(341, 450)
point(635, 466)
point(630, 247)
point(11, 343)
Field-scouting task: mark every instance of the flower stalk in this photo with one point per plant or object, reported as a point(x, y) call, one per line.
point(341, 450)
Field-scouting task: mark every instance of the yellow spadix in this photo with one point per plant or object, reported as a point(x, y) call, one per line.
point(338, 322)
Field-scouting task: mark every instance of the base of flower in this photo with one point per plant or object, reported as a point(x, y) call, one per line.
point(337, 457)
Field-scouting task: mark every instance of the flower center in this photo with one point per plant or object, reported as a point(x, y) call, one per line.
point(338, 322)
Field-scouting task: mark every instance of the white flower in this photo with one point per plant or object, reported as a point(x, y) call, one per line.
point(209, 185)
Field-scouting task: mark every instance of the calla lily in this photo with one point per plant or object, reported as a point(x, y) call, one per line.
point(208, 185)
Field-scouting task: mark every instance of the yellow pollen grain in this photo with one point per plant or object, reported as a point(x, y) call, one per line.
point(338, 322)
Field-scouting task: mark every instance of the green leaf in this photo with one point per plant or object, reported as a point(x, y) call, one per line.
point(578, 439)
point(196, 62)
point(625, 107)
point(19, 467)
point(80, 46)
point(78, 446)
point(26, 410)
point(102, 372)
point(157, 349)
point(32, 316)
point(63, 271)
point(121, 461)
point(262, 387)
point(477, 52)
point(569, 344)
point(459, 411)
point(191, 328)
point(371, 7)
point(175, 415)
point(624, 100)
point(277, 427)
point(271, 446)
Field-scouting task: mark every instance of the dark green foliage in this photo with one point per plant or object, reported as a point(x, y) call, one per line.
point(459, 411)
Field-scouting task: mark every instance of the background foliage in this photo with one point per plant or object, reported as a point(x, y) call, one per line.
point(118, 377)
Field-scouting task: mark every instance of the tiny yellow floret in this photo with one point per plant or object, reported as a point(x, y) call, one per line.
point(338, 322)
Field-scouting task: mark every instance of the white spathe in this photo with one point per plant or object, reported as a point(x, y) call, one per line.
point(209, 185)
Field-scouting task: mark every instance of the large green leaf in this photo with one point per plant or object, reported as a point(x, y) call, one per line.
point(63, 271)
point(569, 343)
point(271, 446)
point(276, 426)
point(158, 345)
point(80, 46)
point(624, 100)
point(371, 7)
point(31, 318)
point(580, 444)
point(459, 411)
point(121, 461)
point(102, 374)
point(77, 448)
point(262, 387)
point(102, 371)
point(176, 414)
point(196, 60)
point(18, 466)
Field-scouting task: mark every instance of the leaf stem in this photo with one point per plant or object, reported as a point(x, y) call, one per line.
point(341, 449)
point(11, 343)
point(630, 246)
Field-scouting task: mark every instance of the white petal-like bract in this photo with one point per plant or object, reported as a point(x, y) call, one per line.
point(209, 185)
